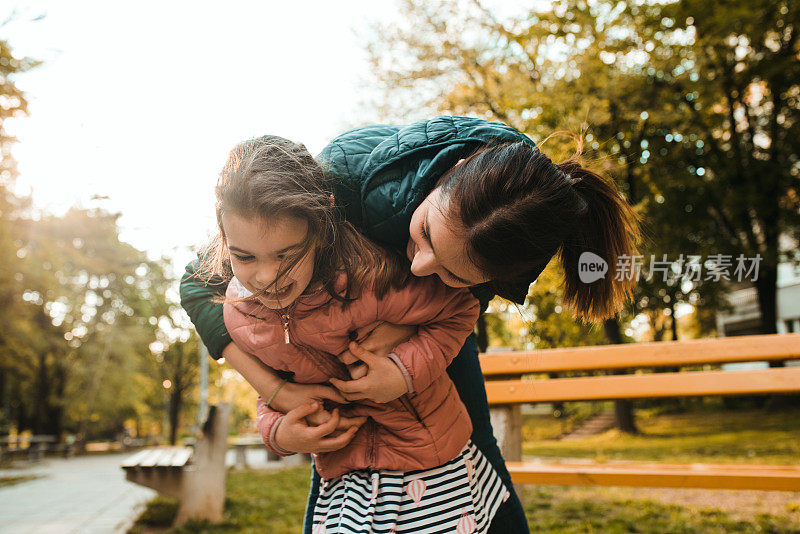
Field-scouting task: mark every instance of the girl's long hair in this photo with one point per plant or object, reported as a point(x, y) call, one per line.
point(271, 177)
point(520, 209)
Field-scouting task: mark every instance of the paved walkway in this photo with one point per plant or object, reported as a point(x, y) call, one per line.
point(86, 495)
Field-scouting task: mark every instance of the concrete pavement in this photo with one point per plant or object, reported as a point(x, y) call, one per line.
point(86, 495)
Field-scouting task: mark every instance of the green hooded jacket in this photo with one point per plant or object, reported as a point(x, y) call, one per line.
point(382, 173)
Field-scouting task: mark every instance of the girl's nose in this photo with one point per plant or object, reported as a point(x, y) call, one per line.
point(423, 264)
point(265, 275)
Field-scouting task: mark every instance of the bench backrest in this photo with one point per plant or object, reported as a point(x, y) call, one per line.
point(506, 385)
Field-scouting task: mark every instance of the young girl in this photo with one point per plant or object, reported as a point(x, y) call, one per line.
point(303, 281)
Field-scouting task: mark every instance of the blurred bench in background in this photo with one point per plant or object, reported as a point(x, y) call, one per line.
point(507, 389)
point(31, 448)
point(195, 476)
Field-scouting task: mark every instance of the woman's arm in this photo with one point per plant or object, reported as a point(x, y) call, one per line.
point(446, 317)
point(198, 293)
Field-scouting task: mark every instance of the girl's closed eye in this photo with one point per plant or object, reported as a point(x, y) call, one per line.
point(243, 259)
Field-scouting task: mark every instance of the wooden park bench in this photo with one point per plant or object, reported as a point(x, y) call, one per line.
point(196, 477)
point(507, 389)
point(240, 445)
point(31, 448)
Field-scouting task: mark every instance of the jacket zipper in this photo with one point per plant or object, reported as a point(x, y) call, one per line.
point(285, 318)
point(410, 406)
point(371, 450)
point(326, 365)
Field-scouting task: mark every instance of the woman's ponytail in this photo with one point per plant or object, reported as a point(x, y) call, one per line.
point(519, 209)
point(608, 228)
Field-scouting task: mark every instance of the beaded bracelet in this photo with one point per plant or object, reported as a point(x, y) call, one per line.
point(277, 389)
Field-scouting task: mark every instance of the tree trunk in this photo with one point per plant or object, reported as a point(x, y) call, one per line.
point(481, 335)
point(673, 321)
point(174, 413)
point(766, 285)
point(5, 402)
point(623, 409)
point(40, 407)
point(55, 416)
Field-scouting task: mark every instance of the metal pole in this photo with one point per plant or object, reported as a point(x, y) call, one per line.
point(202, 409)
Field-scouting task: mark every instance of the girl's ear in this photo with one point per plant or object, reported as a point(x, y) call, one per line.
point(459, 161)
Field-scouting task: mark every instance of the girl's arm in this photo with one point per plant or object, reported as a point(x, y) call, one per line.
point(264, 380)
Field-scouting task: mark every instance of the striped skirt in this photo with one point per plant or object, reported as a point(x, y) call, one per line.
point(460, 496)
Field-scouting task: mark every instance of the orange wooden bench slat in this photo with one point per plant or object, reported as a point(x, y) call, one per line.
point(773, 478)
point(660, 354)
point(762, 381)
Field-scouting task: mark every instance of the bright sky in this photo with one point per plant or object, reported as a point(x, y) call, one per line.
point(141, 101)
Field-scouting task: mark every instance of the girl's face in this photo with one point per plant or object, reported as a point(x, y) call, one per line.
point(259, 247)
point(437, 244)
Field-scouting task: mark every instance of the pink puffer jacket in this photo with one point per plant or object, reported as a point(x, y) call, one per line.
point(420, 430)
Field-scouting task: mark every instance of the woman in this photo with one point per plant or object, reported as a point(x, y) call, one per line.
point(475, 203)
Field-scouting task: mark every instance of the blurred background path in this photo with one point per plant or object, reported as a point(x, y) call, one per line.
point(86, 495)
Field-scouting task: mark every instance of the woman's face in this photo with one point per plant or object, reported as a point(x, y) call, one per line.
point(437, 244)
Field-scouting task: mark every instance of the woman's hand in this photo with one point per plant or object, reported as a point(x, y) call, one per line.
point(383, 381)
point(294, 435)
point(379, 338)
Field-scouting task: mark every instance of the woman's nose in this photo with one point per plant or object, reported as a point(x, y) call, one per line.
point(423, 264)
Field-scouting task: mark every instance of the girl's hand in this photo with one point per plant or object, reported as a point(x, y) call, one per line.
point(322, 416)
point(380, 338)
point(293, 395)
point(383, 381)
point(293, 433)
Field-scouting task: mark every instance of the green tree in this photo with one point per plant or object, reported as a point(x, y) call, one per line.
point(734, 79)
point(179, 366)
point(691, 108)
point(101, 301)
point(12, 105)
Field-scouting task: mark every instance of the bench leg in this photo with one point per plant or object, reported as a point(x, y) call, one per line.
point(241, 458)
point(204, 481)
point(203, 496)
point(507, 425)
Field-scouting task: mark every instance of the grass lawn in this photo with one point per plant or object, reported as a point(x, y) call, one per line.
point(748, 436)
point(10, 481)
point(256, 502)
point(273, 502)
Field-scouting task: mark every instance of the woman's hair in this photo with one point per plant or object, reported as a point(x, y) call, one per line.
point(519, 209)
point(271, 177)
